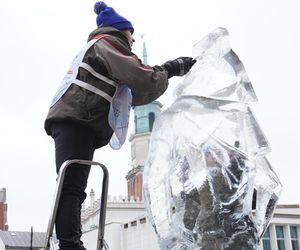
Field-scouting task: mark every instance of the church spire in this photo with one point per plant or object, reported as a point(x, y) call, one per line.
point(144, 116)
point(145, 61)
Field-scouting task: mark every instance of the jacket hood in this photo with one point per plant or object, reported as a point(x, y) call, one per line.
point(110, 31)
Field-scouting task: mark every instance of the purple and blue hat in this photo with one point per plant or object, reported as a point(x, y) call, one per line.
point(107, 16)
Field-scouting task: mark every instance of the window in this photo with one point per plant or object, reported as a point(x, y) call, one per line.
point(294, 238)
point(133, 151)
point(143, 220)
point(93, 226)
point(266, 240)
point(135, 124)
point(133, 223)
point(280, 237)
point(151, 120)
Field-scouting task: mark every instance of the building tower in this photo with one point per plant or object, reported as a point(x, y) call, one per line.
point(144, 117)
point(3, 210)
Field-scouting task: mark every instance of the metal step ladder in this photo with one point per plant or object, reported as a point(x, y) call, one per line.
point(101, 244)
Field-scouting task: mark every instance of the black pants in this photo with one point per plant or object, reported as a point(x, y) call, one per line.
point(72, 141)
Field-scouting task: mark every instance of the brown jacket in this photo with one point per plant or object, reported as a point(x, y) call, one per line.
point(111, 57)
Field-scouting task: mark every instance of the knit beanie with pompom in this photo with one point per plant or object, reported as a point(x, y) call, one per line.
point(107, 16)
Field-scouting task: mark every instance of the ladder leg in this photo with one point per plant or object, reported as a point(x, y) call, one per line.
point(103, 204)
point(100, 241)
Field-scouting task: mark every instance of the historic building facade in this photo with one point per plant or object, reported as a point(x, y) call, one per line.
point(3, 210)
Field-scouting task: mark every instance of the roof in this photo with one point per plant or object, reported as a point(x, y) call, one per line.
point(22, 239)
point(288, 206)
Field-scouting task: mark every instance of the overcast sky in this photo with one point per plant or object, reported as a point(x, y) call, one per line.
point(40, 38)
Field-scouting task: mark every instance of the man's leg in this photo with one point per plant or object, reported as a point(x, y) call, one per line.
point(72, 141)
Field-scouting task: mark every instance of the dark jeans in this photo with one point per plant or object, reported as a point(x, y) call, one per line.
point(72, 141)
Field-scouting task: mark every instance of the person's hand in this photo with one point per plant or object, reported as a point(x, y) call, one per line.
point(179, 66)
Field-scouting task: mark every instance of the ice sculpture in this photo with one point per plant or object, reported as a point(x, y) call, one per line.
point(207, 182)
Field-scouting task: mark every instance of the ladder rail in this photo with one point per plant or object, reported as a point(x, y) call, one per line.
point(61, 174)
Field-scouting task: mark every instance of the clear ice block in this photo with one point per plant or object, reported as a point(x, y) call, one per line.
point(207, 182)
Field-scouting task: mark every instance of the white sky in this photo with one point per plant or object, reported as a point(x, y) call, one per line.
point(40, 38)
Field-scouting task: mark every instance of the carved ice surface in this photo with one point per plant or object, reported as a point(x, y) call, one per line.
point(207, 182)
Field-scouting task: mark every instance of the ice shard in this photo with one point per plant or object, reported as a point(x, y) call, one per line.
point(207, 182)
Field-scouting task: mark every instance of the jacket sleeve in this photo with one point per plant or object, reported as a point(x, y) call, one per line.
point(146, 83)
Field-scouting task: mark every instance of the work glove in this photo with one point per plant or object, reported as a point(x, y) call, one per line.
point(179, 66)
